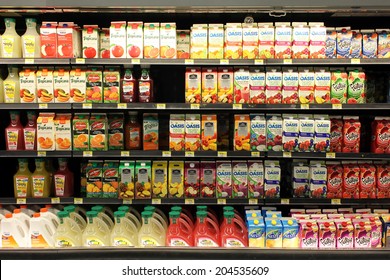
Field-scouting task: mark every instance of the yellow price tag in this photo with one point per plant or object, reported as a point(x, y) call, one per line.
point(337, 106)
point(125, 153)
point(221, 201)
point(55, 200)
point(161, 106)
point(80, 60)
point(355, 61)
point(127, 201)
point(222, 154)
point(21, 201)
point(190, 154)
point(166, 154)
point(135, 61)
point(43, 106)
point(87, 154)
point(188, 61)
point(156, 201)
point(255, 154)
point(305, 106)
point(287, 61)
point(29, 61)
point(122, 106)
point(237, 106)
point(284, 201)
point(190, 201)
point(41, 154)
point(259, 62)
point(224, 61)
point(287, 154)
point(335, 201)
point(330, 155)
point(78, 200)
point(87, 106)
point(195, 106)
point(253, 201)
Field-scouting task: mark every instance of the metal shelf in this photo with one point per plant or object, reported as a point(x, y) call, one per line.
point(35, 106)
point(328, 156)
point(33, 154)
point(35, 61)
point(326, 202)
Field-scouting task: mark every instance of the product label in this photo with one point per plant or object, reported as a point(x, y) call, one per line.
point(21, 186)
point(255, 180)
point(148, 242)
point(9, 91)
point(37, 240)
point(38, 185)
point(8, 240)
point(63, 243)
point(29, 138)
point(176, 242)
point(240, 184)
point(122, 241)
point(90, 242)
point(59, 181)
point(233, 243)
point(205, 242)
point(29, 46)
point(12, 139)
point(8, 46)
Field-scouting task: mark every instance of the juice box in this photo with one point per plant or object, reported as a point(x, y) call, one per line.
point(207, 179)
point(176, 179)
point(351, 132)
point(338, 87)
point(383, 183)
point(150, 132)
point(255, 179)
point(159, 179)
point(135, 39)
point(66, 37)
point(344, 233)
point(290, 87)
point(256, 233)
point(193, 84)
point(306, 86)
point(110, 178)
point(344, 42)
point(111, 85)
point(176, 132)
point(241, 85)
point(345, 211)
point(299, 217)
point(118, 45)
point(300, 180)
point(318, 176)
point(215, 41)
point(199, 41)
point(48, 33)
point(356, 44)
point(297, 211)
point(273, 214)
point(83, 179)
point(63, 131)
point(313, 211)
point(322, 86)
point(143, 177)
point(250, 41)
point(242, 133)
point(326, 234)
point(94, 85)
point(380, 135)
point(90, 41)
point(306, 133)
point(253, 214)
point(225, 84)
point(318, 38)
point(94, 173)
point(290, 233)
point(224, 179)
point(273, 233)
point(28, 86)
point(308, 234)
point(351, 181)
point(98, 132)
point(272, 176)
point(336, 134)
point(273, 86)
point(300, 40)
point(383, 43)
point(209, 85)
point(240, 179)
point(104, 40)
point(183, 44)
point(321, 133)
point(45, 85)
point(376, 230)
point(46, 132)
point(168, 40)
point(80, 128)
point(115, 131)
point(363, 211)
point(78, 81)
point(258, 133)
point(266, 40)
point(319, 216)
point(209, 132)
point(233, 41)
point(335, 180)
point(362, 233)
point(192, 132)
point(61, 85)
point(331, 43)
point(256, 86)
point(356, 87)
point(126, 179)
point(368, 181)
point(265, 209)
point(191, 179)
point(152, 40)
point(274, 132)
point(335, 216)
point(290, 133)
point(224, 132)
point(283, 40)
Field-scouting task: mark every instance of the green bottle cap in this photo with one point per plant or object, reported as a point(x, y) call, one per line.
point(174, 214)
point(228, 214)
point(176, 209)
point(201, 214)
point(201, 208)
point(119, 214)
point(97, 208)
point(124, 208)
point(92, 214)
point(228, 208)
point(146, 214)
point(70, 208)
point(63, 214)
point(150, 209)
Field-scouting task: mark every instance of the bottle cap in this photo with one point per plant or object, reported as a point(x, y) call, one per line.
point(43, 210)
point(201, 208)
point(17, 211)
point(228, 214)
point(97, 208)
point(150, 208)
point(124, 208)
point(63, 214)
point(174, 214)
point(228, 208)
point(290, 222)
point(8, 215)
point(92, 214)
point(256, 222)
point(146, 214)
point(70, 208)
point(119, 214)
point(176, 209)
point(36, 215)
point(201, 214)
point(273, 222)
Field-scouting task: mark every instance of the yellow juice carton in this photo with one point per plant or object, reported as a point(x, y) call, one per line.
point(266, 40)
point(331, 43)
point(126, 179)
point(242, 133)
point(90, 41)
point(46, 132)
point(290, 234)
point(290, 87)
point(209, 132)
point(63, 130)
point(176, 132)
point(273, 86)
point(135, 39)
point(199, 41)
point(80, 128)
point(318, 36)
point(98, 132)
point(233, 41)
point(118, 39)
point(306, 86)
point(176, 179)
point(110, 178)
point(45, 85)
point(104, 43)
point(216, 41)
point(283, 40)
point(225, 84)
point(143, 179)
point(78, 85)
point(94, 85)
point(94, 173)
point(256, 232)
point(250, 41)
point(193, 90)
point(192, 132)
point(322, 86)
point(344, 42)
point(61, 85)
point(370, 43)
point(159, 179)
point(256, 86)
point(28, 86)
point(183, 44)
point(273, 233)
point(383, 43)
point(209, 85)
point(152, 40)
point(168, 40)
point(300, 40)
point(111, 84)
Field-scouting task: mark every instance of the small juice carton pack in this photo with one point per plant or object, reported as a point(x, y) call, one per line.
point(306, 86)
point(383, 43)
point(335, 180)
point(356, 44)
point(351, 181)
point(318, 176)
point(94, 85)
point(77, 84)
point(209, 85)
point(90, 41)
point(265, 209)
point(207, 179)
point(233, 41)
point(255, 179)
point(368, 181)
point(383, 183)
point(250, 41)
point(241, 85)
point(273, 214)
point(331, 43)
point(274, 132)
point(351, 132)
point(344, 42)
point(258, 133)
point(306, 133)
point(80, 128)
point(376, 229)
point(345, 211)
point(297, 211)
point(300, 40)
point(110, 178)
point(242, 133)
point(209, 132)
point(322, 86)
point(183, 44)
point(290, 233)
point(256, 86)
point(192, 132)
point(168, 40)
point(308, 233)
point(45, 85)
point(142, 179)
point(104, 40)
point(321, 133)
point(63, 130)
point(150, 132)
point(66, 38)
point(216, 41)
point(364, 211)
point(115, 131)
point(356, 87)
point(176, 132)
point(299, 217)
point(176, 179)
point(266, 40)
point(326, 234)
point(290, 133)
point(338, 86)
point(61, 85)
point(118, 45)
point(273, 86)
point(319, 216)
point(199, 41)
point(272, 177)
point(126, 179)
point(300, 180)
point(46, 132)
point(240, 179)
point(313, 211)
point(318, 37)
point(191, 179)
point(225, 84)
point(98, 132)
point(152, 40)
point(253, 214)
point(362, 233)
point(48, 33)
point(344, 233)
point(273, 233)
point(335, 216)
point(283, 40)
point(135, 39)
point(111, 85)
point(256, 233)
point(94, 173)
point(224, 179)
point(28, 86)
point(336, 134)
point(193, 84)
point(290, 87)
point(159, 179)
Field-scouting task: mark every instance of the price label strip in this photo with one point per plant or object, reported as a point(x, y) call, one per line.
point(125, 153)
point(287, 154)
point(161, 106)
point(224, 61)
point(87, 106)
point(237, 106)
point(135, 61)
point(29, 61)
point(80, 60)
point(221, 201)
point(337, 106)
point(222, 154)
point(156, 201)
point(255, 154)
point(78, 200)
point(43, 106)
point(166, 154)
point(21, 201)
point(284, 201)
point(41, 154)
point(55, 200)
point(189, 201)
point(189, 61)
point(253, 201)
point(330, 155)
point(190, 154)
point(122, 106)
point(259, 62)
point(335, 201)
point(87, 154)
point(195, 106)
point(127, 201)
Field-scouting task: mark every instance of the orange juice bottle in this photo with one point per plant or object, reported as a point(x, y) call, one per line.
point(22, 180)
point(40, 180)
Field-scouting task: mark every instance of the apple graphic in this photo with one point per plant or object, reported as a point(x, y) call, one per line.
point(134, 51)
point(105, 54)
point(67, 50)
point(117, 51)
point(48, 51)
point(90, 52)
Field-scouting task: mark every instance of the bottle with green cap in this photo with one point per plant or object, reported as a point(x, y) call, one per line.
point(124, 232)
point(233, 231)
point(206, 232)
point(103, 216)
point(10, 43)
point(159, 215)
point(40, 179)
point(74, 215)
point(152, 233)
point(68, 233)
point(183, 215)
point(130, 216)
point(180, 232)
point(23, 180)
point(97, 233)
point(236, 213)
point(210, 212)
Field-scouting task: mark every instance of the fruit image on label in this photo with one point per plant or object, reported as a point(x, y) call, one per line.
point(21, 186)
point(38, 184)
point(338, 87)
point(224, 180)
point(356, 87)
point(239, 179)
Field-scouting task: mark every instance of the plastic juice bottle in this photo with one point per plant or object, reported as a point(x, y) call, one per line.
point(133, 132)
point(51, 217)
point(30, 132)
point(129, 93)
point(152, 233)
point(40, 180)
point(71, 209)
point(25, 210)
point(68, 233)
point(23, 217)
point(236, 213)
point(97, 231)
point(52, 209)
point(103, 216)
point(14, 233)
point(11, 86)
point(210, 213)
point(41, 232)
point(179, 232)
point(145, 87)
point(183, 215)
point(233, 231)
point(124, 232)
point(13, 133)
point(50, 168)
point(158, 215)
point(63, 179)
point(11, 45)
point(23, 180)
point(31, 40)
point(132, 215)
point(206, 232)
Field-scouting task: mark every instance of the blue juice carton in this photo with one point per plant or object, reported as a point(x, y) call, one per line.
point(344, 42)
point(256, 232)
point(331, 43)
point(273, 233)
point(290, 233)
point(265, 209)
point(370, 43)
point(273, 214)
point(253, 214)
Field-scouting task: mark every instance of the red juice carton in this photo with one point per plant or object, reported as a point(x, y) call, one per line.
point(207, 179)
point(319, 217)
point(306, 133)
point(256, 86)
point(335, 216)
point(351, 134)
point(258, 133)
point(308, 234)
point(225, 84)
point(331, 43)
point(344, 233)
point(290, 133)
point(352, 216)
point(351, 181)
point(306, 86)
point(326, 234)
point(48, 36)
point(241, 85)
point(338, 86)
point(322, 86)
point(321, 133)
point(272, 176)
point(273, 233)
point(299, 217)
point(290, 87)
point(318, 36)
point(363, 211)
point(191, 179)
point(290, 233)
point(335, 180)
point(356, 44)
point(283, 40)
point(362, 233)
point(240, 179)
point(336, 134)
point(345, 210)
point(380, 139)
point(273, 86)
point(344, 42)
point(370, 43)
point(255, 179)
point(224, 179)
point(313, 211)
point(300, 40)
point(318, 176)
point(297, 211)
point(367, 181)
point(376, 229)
point(274, 132)
point(383, 183)
point(266, 40)
point(329, 211)
point(300, 180)
point(356, 87)
point(90, 41)
point(383, 43)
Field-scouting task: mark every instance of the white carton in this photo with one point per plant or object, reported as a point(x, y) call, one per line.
point(283, 40)
point(301, 38)
point(216, 41)
point(104, 42)
point(118, 44)
point(322, 86)
point(321, 133)
point(300, 180)
point(28, 86)
point(256, 86)
point(306, 133)
point(152, 40)
point(199, 41)
point(250, 41)
point(290, 87)
point(273, 88)
point(135, 39)
point(290, 133)
point(77, 85)
point(318, 38)
point(272, 176)
point(258, 133)
point(45, 85)
point(233, 41)
point(331, 43)
point(168, 40)
point(274, 132)
point(318, 179)
point(266, 40)
point(306, 86)
point(90, 41)
point(61, 86)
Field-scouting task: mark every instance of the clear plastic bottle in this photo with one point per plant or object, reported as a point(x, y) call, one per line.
point(74, 215)
point(10, 41)
point(40, 180)
point(152, 233)
point(11, 86)
point(158, 215)
point(24, 218)
point(132, 215)
point(97, 233)
point(23, 180)
point(103, 216)
point(68, 233)
point(31, 41)
point(124, 232)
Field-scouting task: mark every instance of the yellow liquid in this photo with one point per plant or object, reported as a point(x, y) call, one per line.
point(11, 43)
point(151, 234)
point(96, 233)
point(11, 87)
point(41, 181)
point(124, 233)
point(23, 181)
point(31, 40)
point(68, 234)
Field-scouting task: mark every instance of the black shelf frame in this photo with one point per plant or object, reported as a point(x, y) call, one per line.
point(34, 154)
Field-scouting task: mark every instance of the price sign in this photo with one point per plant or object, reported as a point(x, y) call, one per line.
point(335, 201)
point(222, 154)
point(189, 61)
point(127, 201)
point(21, 201)
point(78, 200)
point(305, 106)
point(80, 60)
point(135, 61)
point(237, 106)
point(87, 106)
point(41, 154)
point(253, 201)
point(189, 201)
point(195, 106)
point(337, 106)
point(29, 61)
point(224, 62)
point(355, 61)
point(287, 61)
point(166, 154)
point(125, 153)
point(190, 154)
point(161, 106)
point(259, 62)
point(55, 200)
point(255, 154)
point(284, 201)
point(122, 106)
point(330, 155)
point(287, 154)
point(87, 153)
point(156, 201)
point(221, 201)
point(43, 106)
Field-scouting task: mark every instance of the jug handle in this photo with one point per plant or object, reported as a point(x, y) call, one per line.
point(187, 225)
point(214, 224)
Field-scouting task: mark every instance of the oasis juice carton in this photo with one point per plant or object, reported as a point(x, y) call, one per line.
point(362, 233)
point(290, 87)
point(318, 38)
point(90, 41)
point(80, 128)
point(209, 133)
point(78, 83)
point(191, 179)
point(356, 87)
point(98, 132)
point(241, 85)
point(335, 180)
point(326, 234)
point(199, 41)
point(258, 132)
point(207, 179)
point(273, 86)
point(159, 179)
point(318, 176)
point(94, 85)
point(306, 86)
point(63, 130)
point(351, 132)
point(176, 179)
point(193, 87)
point(351, 181)
point(233, 41)
point(183, 44)
point(300, 40)
point(192, 132)
point(46, 132)
point(256, 233)
point(273, 233)
point(266, 40)
point(322, 86)
point(255, 179)
point(250, 41)
point(215, 41)
point(209, 85)
point(240, 179)
point(118, 44)
point(338, 87)
point(111, 85)
point(115, 131)
point(168, 40)
point(224, 179)
point(94, 173)
point(331, 43)
point(344, 233)
point(176, 132)
point(283, 40)
point(306, 133)
point(290, 133)
point(256, 86)
point(104, 43)
point(126, 179)
point(336, 134)
point(142, 179)
point(110, 178)
point(135, 39)
point(150, 132)
point(368, 181)
point(272, 177)
point(383, 43)
point(28, 86)
point(274, 132)
point(321, 133)
point(48, 33)
point(225, 84)
point(300, 180)
point(242, 133)
point(356, 44)
point(383, 183)
point(45, 85)
point(61, 85)
point(344, 42)
point(290, 233)
point(152, 40)
point(308, 233)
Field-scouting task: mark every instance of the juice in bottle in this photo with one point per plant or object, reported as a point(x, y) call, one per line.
point(74, 214)
point(68, 233)
point(31, 41)
point(63, 179)
point(40, 180)
point(206, 232)
point(97, 232)
point(30, 132)
point(129, 92)
point(233, 231)
point(14, 233)
point(125, 232)
point(11, 86)
point(41, 232)
point(14, 133)
point(10, 43)
point(152, 232)
point(145, 87)
point(133, 132)
point(23, 180)
point(179, 232)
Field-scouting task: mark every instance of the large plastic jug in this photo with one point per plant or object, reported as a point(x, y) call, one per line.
point(68, 232)
point(152, 233)
point(4, 211)
point(50, 216)
point(102, 215)
point(236, 214)
point(125, 232)
point(26, 210)
point(180, 233)
point(108, 211)
point(133, 211)
point(52, 209)
point(233, 231)
point(14, 233)
point(210, 213)
point(97, 232)
point(206, 232)
point(71, 209)
point(41, 232)
point(24, 218)
point(159, 215)
point(183, 215)
point(130, 215)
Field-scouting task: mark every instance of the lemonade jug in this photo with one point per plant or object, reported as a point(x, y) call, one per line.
point(11, 86)
point(210, 213)
point(51, 217)
point(31, 41)
point(24, 218)
point(23, 180)
point(183, 215)
point(68, 233)
point(14, 233)
point(180, 233)
point(233, 231)
point(41, 232)
point(129, 215)
point(107, 210)
point(4, 211)
point(10, 45)
point(152, 233)
point(71, 209)
point(40, 180)
point(103, 216)
point(97, 232)
point(206, 232)
point(1, 87)
point(159, 215)
point(125, 232)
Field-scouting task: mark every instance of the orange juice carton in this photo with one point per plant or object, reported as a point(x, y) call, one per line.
point(351, 132)
point(242, 133)
point(318, 176)
point(250, 41)
point(94, 173)
point(176, 179)
point(306, 86)
point(241, 85)
point(256, 86)
point(191, 179)
point(318, 37)
point(335, 179)
point(240, 179)
point(192, 132)
point(258, 133)
point(225, 84)
point(115, 131)
point(356, 86)
point(80, 129)
point(183, 44)
point(150, 132)
point(338, 86)
point(215, 41)
point(308, 234)
point(383, 183)
point(143, 179)
point(61, 85)
point(104, 43)
point(362, 233)
point(83, 179)
point(209, 85)
point(300, 180)
point(168, 40)
point(380, 135)
point(159, 179)
point(256, 232)
point(176, 132)
point(344, 233)
point(28, 86)
point(290, 233)
point(255, 179)
point(199, 41)
point(356, 44)
point(306, 133)
point(272, 176)
point(63, 130)
point(94, 85)
point(118, 36)
point(300, 40)
point(326, 234)
point(376, 229)
point(266, 40)
point(274, 132)
point(111, 84)
point(336, 134)
point(46, 132)
point(383, 43)
point(283, 40)
point(98, 132)
point(66, 36)
point(290, 132)
point(290, 87)
point(135, 39)
point(110, 178)
point(209, 132)
point(351, 181)
point(273, 85)
point(45, 85)
point(368, 181)
point(207, 179)
point(331, 43)
point(224, 179)
point(344, 42)
point(321, 133)
point(90, 41)
point(321, 86)
point(48, 33)
point(193, 87)
point(77, 84)
point(273, 233)
point(233, 41)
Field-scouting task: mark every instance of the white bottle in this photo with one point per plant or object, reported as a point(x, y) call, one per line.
point(68, 233)
point(41, 232)
point(52, 209)
point(27, 211)
point(24, 218)
point(4, 211)
point(102, 215)
point(74, 215)
point(11, 86)
point(31, 41)
point(10, 41)
point(52, 218)
point(14, 233)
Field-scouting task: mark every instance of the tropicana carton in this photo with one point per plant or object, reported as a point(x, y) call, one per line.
point(63, 130)
point(118, 39)
point(77, 85)
point(104, 43)
point(168, 40)
point(61, 85)
point(45, 85)
point(90, 41)
point(183, 44)
point(46, 132)
point(28, 86)
point(135, 39)
point(152, 40)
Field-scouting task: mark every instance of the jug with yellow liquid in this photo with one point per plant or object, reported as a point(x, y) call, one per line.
point(68, 233)
point(97, 232)
point(152, 233)
point(125, 232)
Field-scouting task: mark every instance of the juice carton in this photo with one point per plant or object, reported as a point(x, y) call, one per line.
point(351, 181)
point(168, 40)
point(240, 179)
point(313, 211)
point(356, 44)
point(98, 132)
point(297, 211)
point(65, 40)
point(135, 39)
point(344, 42)
point(335, 216)
point(253, 214)
point(283, 40)
point(242, 133)
point(45, 85)
point(176, 179)
point(150, 132)
point(335, 180)
point(255, 179)
point(386, 230)
point(326, 234)
point(356, 87)
point(193, 85)
point(110, 178)
point(290, 233)
point(183, 44)
point(265, 209)
point(338, 87)
point(104, 40)
point(256, 86)
point(115, 131)
point(224, 132)
point(272, 176)
point(300, 180)
point(61, 85)
point(250, 41)
point(318, 39)
point(28, 86)
point(142, 179)
point(318, 176)
point(306, 86)
point(215, 41)
point(376, 230)
point(176, 132)
point(126, 179)
point(383, 183)
point(362, 233)
point(322, 86)
point(233, 41)
point(273, 214)
point(329, 211)
point(383, 43)
point(290, 87)
point(209, 133)
point(308, 234)
point(256, 233)
point(63, 131)
point(306, 133)
point(300, 40)
point(192, 132)
point(370, 43)
point(48, 33)
point(209, 85)
point(191, 179)
point(273, 86)
point(225, 84)
point(273, 233)
point(94, 173)
point(364, 211)
point(321, 133)
point(241, 85)
point(207, 179)
point(90, 41)
point(224, 179)
point(380, 135)
point(331, 43)
point(258, 133)
point(319, 217)
point(368, 181)
point(152, 40)
point(336, 134)
point(199, 41)
point(345, 211)
point(77, 85)
point(159, 179)
point(94, 85)
point(351, 132)
point(46, 132)
point(266, 40)
point(111, 85)
point(274, 132)
point(299, 217)
point(344, 233)
point(290, 133)
point(118, 45)
point(381, 211)
point(80, 128)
